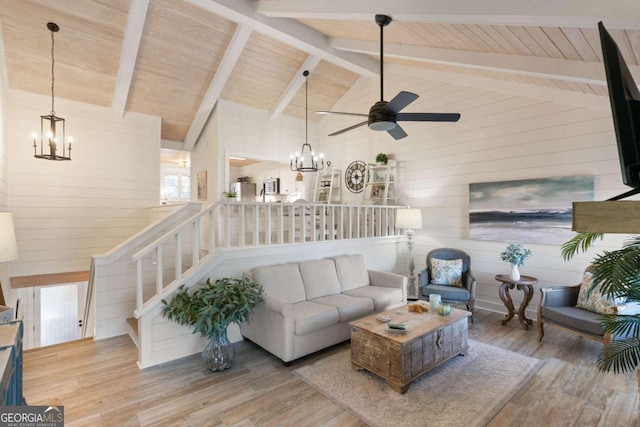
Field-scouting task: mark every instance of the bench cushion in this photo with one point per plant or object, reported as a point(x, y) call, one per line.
point(310, 317)
point(575, 318)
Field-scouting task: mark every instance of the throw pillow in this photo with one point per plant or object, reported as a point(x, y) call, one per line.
point(446, 272)
point(596, 301)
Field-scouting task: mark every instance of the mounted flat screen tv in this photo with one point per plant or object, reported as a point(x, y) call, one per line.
point(625, 108)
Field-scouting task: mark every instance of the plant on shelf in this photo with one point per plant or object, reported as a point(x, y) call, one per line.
point(229, 194)
point(616, 274)
point(515, 254)
point(382, 158)
point(210, 309)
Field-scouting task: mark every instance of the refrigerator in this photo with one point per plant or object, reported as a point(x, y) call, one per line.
point(245, 191)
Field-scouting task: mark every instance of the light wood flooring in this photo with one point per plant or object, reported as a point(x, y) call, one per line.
point(99, 384)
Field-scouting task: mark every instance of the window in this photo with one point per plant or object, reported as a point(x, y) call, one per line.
point(176, 183)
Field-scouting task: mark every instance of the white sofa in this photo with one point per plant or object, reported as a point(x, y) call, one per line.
point(309, 305)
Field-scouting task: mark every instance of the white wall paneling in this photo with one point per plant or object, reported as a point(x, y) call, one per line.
point(67, 211)
point(500, 136)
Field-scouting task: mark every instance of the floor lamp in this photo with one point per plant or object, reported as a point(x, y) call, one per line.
point(410, 219)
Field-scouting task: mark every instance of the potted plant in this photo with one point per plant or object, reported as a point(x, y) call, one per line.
point(616, 274)
point(382, 159)
point(209, 309)
point(515, 254)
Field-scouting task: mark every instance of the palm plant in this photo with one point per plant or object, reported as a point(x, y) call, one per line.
point(616, 274)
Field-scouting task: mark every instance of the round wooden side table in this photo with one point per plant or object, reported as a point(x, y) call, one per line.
point(525, 284)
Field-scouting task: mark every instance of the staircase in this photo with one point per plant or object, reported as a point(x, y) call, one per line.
point(224, 239)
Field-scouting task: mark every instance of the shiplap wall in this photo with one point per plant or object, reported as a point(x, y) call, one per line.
point(501, 136)
point(64, 212)
point(248, 132)
point(4, 162)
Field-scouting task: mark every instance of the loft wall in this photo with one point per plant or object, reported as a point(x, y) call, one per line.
point(501, 136)
point(4, 162)
point(65, 212)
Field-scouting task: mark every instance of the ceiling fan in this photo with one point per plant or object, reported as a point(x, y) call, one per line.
point(385, 115)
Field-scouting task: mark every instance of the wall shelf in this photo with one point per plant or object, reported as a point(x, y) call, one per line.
point(328, 186)
point(380, 185)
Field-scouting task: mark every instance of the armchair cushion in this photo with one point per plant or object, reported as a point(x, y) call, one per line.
point(448, 293)
point(446, 272)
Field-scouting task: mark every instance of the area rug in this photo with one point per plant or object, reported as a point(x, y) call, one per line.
point(466, 390)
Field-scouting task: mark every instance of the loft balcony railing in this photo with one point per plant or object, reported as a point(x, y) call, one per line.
point(171, 260)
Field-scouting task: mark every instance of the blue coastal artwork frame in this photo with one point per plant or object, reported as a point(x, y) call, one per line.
point(528, 210)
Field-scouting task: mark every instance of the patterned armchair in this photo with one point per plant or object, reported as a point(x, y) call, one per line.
point(459, 291)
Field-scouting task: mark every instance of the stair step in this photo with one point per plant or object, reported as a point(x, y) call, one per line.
point(133, 323)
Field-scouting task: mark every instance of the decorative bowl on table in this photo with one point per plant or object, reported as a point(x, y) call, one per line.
point(444, 309)
point(383, 318)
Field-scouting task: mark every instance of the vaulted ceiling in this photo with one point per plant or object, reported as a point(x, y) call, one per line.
point(176, 58)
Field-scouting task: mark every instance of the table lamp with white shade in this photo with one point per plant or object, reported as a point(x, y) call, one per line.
point(8, 246)
point(410, 219)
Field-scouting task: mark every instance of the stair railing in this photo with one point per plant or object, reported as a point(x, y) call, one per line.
point(171, 260)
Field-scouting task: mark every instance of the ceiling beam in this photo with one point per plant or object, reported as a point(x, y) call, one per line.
point(227, 64)
point(584, 13)
point(559, 69)
point(289, 32)
point(596, 102)
point(298, 80)
point(130, 45)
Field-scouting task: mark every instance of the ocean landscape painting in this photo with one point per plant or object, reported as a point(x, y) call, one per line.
point(526, 211)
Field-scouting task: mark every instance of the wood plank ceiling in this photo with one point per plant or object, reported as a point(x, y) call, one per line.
point(184, 44)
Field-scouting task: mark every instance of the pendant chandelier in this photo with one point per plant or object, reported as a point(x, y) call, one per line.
point(306, 160)
point(52, 127)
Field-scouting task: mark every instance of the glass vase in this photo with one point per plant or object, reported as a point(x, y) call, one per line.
point(219, 353)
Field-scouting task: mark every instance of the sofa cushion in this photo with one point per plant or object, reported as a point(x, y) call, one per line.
point(349, 307)
point(319, 278)
point(446, 272)
point(352, 272)
point(448, 293)
point(576, 318)
point(382, 297)
point(310, 317)
point(282, 281)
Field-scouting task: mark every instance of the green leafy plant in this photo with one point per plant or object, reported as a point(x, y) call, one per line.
point(382, 158)
point(616, 274)
point(515, 254)
point(213, 306)
point(230, 194)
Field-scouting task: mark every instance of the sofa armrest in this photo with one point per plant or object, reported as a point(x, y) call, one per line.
point(389, 280)
point(470, 283)
point(559, 296)
point(278, 306)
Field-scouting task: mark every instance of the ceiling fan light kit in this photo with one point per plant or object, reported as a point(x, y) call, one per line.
point(383, 115)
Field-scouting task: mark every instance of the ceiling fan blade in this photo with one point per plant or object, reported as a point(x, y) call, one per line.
point(400, 101)
point(397, 132)
point(348, 129)
point(427, 117)
point(342, 113)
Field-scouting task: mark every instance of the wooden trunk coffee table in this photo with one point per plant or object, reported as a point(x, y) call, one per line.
point(400, 358)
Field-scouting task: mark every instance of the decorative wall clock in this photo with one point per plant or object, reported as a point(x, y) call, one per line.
point(354, 176)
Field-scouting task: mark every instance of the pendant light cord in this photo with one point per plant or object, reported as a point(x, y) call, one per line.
point(53, 61)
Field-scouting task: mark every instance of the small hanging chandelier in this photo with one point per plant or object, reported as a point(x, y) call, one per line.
point(306, 160)
point(52, 127)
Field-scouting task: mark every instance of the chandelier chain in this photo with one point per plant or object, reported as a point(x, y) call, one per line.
point(53, 61)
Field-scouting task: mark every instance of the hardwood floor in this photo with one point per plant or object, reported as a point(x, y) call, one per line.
point(99, 384)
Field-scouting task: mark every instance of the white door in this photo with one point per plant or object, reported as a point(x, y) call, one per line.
point(58, 313)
